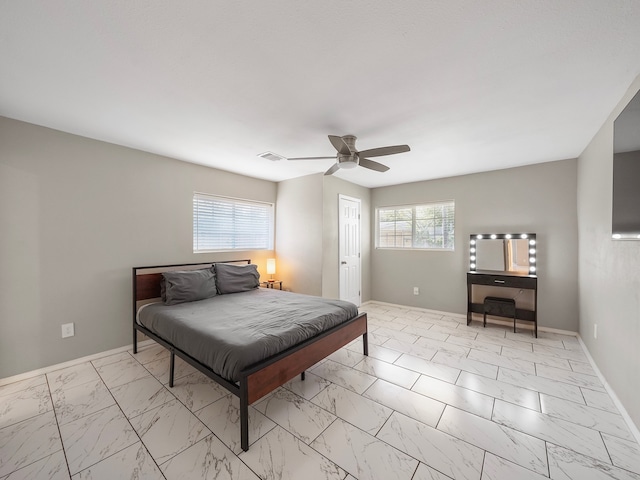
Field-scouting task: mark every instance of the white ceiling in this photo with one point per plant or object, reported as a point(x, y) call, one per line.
point(470, 85)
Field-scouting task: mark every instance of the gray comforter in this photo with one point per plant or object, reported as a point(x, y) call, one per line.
point(231, 332)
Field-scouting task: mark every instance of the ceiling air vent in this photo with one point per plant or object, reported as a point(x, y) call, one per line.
point(274, 157)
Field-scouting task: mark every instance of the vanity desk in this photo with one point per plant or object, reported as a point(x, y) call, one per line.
point(502, 267)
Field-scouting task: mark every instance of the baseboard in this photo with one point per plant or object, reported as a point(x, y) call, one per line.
point(70, 363)
point(632, 426)
point(497, 321)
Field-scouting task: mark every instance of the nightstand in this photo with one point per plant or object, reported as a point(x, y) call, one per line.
point(272, 284)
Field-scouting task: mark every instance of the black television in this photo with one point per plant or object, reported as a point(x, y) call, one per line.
point(625, 223)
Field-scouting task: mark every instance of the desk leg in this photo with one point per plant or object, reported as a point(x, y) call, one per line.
point(535, 310)
point(469, 314)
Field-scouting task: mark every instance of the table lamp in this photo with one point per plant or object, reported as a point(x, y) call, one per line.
point(271, 268)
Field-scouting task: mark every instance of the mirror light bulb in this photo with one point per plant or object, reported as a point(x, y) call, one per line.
point(524, 235)
point(472, 258)
point(532, 242)
point(473, 250)
point(473, 265)
point(479, 237)
point(507, 236)
point(494, 236)
point(532, 260)
point(532, 251)
point(473, 242)
point(532, 269)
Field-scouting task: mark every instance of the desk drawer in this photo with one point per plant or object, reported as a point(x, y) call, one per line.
point(502, 280)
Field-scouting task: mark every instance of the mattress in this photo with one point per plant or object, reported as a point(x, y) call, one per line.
point(231, 332)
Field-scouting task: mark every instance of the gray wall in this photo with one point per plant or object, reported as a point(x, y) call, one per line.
point(538, 198)
point(332, 188)
point(75, 215)
point(307, 234)
point(299, 234)
point(609, 272)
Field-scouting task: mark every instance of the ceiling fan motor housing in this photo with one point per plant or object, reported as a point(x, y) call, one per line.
point(350, 140)
point(349, 161)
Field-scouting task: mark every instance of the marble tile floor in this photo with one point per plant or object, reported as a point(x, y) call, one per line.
point(436, 399)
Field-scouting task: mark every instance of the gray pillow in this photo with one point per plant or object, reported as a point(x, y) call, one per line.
point(187, 286)
point(236, 278)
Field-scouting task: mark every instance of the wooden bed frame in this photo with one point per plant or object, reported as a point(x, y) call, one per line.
point(260, 378)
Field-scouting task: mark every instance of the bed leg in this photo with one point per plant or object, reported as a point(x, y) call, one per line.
point(135, 341)
point(365, 343)
point(172, 366)
point(244, 415)
point(302, 376)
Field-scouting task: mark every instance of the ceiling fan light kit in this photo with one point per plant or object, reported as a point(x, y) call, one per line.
point(348, 161)
point(348, 157)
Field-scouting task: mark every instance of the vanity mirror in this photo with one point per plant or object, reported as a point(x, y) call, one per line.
point(504, 252)
point(502, 279)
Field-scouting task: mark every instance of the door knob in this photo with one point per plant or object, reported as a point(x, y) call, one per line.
point(343, 263)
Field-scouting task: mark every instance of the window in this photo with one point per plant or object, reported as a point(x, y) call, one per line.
point(429, 226)
point(221, 223)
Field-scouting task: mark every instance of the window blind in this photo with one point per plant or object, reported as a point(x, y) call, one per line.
point(222, 223)
point(427, 226)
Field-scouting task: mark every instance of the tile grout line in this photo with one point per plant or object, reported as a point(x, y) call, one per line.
point(55, 415)
point(546, 451)
point(607, 449)
point(484, 459)
point(130, 424)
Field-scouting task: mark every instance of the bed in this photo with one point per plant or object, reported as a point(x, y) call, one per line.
point(250, 342)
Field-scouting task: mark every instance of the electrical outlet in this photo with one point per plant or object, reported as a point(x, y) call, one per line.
point(416, 291)
point(67, 330)
point(595, 330)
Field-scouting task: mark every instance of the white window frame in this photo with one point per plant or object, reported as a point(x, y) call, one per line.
point(444, 203)
point(264, 215)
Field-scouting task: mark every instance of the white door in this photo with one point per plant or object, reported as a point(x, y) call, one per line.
point(349, 225)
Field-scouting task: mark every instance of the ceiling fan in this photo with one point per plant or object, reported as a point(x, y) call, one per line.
point(349, 157)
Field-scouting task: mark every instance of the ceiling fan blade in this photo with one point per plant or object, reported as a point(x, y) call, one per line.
point(312, 158)
point(371, 165)
point(333, 169)
point(340, 145)
point(379, 152)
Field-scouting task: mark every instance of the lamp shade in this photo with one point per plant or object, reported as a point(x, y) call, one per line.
point(271, 266)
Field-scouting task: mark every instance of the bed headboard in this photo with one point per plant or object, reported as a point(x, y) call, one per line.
point(146, 280)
